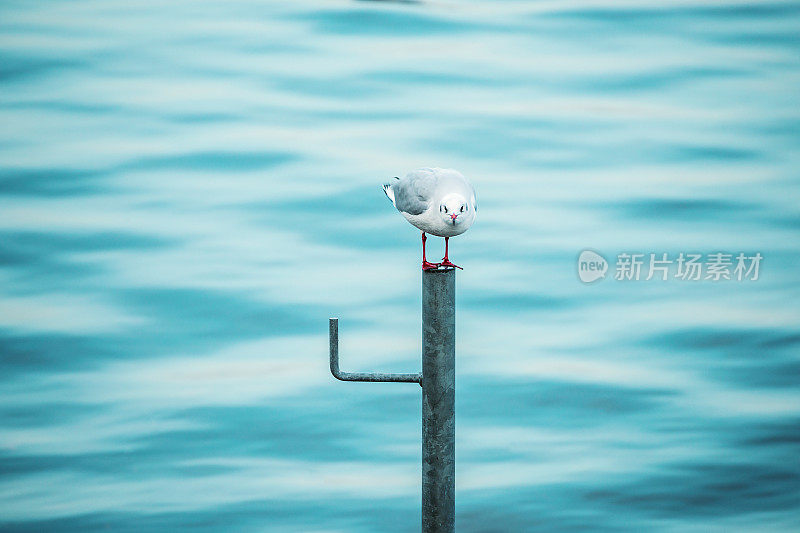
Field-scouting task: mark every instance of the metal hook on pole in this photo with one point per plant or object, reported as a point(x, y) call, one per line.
point(333, 334)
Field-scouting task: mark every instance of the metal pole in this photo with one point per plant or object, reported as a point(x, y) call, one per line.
point(438, 401)
point(438, 381)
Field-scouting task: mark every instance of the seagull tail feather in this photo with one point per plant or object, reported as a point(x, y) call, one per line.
point(387, 190)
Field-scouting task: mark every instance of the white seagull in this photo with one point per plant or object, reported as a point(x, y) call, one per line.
point(439, 201)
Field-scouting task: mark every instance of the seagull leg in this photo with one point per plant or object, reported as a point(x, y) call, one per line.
point(446, 262)
point(425, 264)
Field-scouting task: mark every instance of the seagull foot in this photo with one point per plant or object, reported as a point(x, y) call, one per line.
point(447, 263)
point(429, 266)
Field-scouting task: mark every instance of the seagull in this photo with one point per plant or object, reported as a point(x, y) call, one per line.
point(439, 201)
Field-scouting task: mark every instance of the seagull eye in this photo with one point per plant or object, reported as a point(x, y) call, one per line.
point(462, 208)
point(445, 209)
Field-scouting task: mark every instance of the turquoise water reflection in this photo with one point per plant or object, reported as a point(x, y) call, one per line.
point(189, 191)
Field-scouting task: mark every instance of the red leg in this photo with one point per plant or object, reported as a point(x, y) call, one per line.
point(425, 264)
point(446, 262)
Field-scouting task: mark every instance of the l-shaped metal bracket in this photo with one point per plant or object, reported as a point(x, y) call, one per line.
point(361, 376)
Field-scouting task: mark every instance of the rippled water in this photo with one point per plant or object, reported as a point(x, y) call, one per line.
point(189, 190)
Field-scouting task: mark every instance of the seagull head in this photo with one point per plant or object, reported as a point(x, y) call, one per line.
point(454, 209)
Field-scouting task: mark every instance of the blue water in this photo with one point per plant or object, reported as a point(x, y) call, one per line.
point(188, 190)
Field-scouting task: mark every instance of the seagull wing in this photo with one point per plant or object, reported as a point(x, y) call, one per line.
point(413, 193)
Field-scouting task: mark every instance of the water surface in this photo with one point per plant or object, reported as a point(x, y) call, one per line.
point(188, 191)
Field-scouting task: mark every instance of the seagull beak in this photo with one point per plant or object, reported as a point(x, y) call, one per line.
point(454, 216)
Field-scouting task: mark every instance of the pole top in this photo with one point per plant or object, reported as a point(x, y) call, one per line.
point(439, 270)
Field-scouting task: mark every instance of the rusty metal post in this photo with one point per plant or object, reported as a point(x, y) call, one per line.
point(438, 396)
